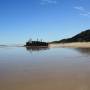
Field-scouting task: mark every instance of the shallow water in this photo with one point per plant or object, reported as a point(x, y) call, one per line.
point(44, 69)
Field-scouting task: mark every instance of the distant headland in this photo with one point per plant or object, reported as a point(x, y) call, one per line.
point(81, 40)
point(81, 37)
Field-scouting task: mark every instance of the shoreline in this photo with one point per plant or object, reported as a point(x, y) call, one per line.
point(71, 45)
point(58, 45)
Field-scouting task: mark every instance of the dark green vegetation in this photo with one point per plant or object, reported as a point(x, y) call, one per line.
point(81, 37)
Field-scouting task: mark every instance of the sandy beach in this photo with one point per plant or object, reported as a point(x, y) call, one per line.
point(72, 45)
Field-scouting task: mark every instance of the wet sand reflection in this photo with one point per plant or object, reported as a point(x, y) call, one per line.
point(51, 69)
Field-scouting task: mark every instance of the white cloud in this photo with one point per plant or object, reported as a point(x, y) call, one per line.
point(85, 14)
point(48, 2)
point(83, 11)
point(79, 8)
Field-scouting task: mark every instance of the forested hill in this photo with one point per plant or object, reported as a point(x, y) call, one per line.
point(81, 37)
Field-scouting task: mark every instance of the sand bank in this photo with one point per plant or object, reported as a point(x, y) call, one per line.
point(73, 45)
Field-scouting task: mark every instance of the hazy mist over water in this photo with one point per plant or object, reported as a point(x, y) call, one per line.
point(44, 68)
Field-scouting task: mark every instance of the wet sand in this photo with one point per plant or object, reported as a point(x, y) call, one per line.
point(50, 69)
point(51, 80)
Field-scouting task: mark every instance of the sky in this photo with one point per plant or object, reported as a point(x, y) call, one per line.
point(48, 20)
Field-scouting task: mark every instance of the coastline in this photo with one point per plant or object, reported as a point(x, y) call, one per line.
point(71, 45)
point(57, 45)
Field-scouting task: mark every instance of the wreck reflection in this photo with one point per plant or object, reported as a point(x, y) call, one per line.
point(31, 49)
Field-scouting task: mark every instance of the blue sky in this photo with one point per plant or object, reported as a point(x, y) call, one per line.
point(44, 19)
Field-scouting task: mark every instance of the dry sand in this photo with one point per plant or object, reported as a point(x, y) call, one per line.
point(72, 45)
